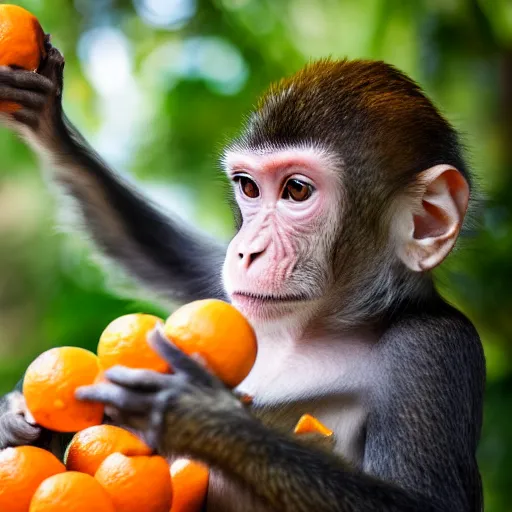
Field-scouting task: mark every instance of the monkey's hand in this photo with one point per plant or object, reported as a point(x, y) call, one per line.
point(39, 96)
point(176, 413)
point(15, 429)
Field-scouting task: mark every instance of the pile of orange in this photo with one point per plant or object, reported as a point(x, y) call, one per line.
point(107, 469)
point(97, 476)
point(124, 466)
point(107, 465)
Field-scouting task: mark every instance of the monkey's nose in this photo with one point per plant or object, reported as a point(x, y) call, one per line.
point(249, 258)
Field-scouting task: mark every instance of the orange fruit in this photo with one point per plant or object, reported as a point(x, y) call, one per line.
point(49, 388)
point(90, 447)
point(308, 424)
point(189, 485)
point(124, 342)
point(71, 492)
point(136, 483)
point(21, 42)
point(22, 469)
point(219, 333)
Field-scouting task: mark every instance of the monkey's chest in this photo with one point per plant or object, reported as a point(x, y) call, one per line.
point(344, 414)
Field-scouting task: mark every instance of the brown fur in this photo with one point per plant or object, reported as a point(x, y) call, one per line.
point(373, 115)
point(384, 131)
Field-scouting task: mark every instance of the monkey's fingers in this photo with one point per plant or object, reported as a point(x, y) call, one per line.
point(25, 80)
point(52, 68)
point(135, 379)
point(26, 99)
point(47, 42)
point(178, 360)
point(28, 90)
point(117, 396)
point(15, 431)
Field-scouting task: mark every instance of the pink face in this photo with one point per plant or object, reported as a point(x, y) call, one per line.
point(289, 202)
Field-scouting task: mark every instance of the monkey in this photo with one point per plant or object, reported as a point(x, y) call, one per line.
point(349, 188)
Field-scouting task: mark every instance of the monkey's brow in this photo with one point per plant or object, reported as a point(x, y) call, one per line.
point(309, 158)
point(239, 168)
point(268, 166)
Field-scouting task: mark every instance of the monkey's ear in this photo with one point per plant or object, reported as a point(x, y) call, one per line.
point(435, 219)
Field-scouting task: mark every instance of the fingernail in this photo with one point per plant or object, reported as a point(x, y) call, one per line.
point(160, 330)
point(29, 418)
point(81, 392)
point(114, 368)
point(164, 336)
point(156, 334)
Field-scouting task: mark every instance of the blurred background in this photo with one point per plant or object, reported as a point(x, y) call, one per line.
point(159, 85)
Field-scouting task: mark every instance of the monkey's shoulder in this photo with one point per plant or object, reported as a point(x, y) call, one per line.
point(438, 342)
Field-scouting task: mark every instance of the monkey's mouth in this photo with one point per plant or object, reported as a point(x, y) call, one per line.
point(259, 297)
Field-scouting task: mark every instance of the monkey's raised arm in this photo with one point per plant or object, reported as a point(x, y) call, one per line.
point(161, 252)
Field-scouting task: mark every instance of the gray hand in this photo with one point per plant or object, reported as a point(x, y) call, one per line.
point(15, 430)
point(175, 412)
point(39, 94)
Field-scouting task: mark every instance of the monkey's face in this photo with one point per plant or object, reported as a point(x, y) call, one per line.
point(289, 202)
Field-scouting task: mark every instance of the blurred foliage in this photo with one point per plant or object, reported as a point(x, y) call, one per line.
point(158, 86)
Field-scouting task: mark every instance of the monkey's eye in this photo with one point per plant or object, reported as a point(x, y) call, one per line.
point(297, 190)
point(247, 186)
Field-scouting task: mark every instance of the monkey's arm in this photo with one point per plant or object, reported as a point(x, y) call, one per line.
point(425, 449)
point(161, 252)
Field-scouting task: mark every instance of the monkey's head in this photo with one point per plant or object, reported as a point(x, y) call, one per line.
point(350, 187)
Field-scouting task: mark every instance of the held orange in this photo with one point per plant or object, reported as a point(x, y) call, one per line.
point(124, 342)
point(49, 388)
point(90, 447)
point(217, 332)
point(21, 42)
point(136, 484)
point(22, 469)
point(71, 492)
point(189, 485)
